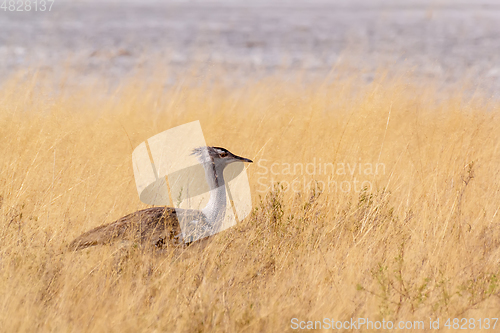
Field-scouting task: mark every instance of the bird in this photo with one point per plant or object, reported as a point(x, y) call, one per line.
point(160, 226)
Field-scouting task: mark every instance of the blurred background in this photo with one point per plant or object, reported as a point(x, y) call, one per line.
point(449, 41)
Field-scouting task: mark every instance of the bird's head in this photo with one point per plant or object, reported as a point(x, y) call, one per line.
point(218, 156)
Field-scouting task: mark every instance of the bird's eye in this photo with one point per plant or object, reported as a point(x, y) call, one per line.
point(223, 154)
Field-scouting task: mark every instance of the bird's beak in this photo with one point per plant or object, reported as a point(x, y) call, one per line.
point(242, 159)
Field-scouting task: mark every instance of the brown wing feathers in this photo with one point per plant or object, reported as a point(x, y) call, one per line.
point(155, 225)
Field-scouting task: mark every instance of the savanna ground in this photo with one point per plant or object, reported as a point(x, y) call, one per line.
point(417, 239)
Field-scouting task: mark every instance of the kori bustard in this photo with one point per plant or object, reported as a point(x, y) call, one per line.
point(161, 225)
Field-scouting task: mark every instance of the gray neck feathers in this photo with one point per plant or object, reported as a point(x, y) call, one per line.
point(215, 210)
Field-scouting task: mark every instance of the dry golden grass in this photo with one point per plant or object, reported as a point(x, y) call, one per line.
point(422, 240)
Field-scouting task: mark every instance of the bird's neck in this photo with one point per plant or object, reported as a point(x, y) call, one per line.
point(215, 210)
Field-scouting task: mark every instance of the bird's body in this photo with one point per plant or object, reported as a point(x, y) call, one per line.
point(156, 226)
point(160, 226)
